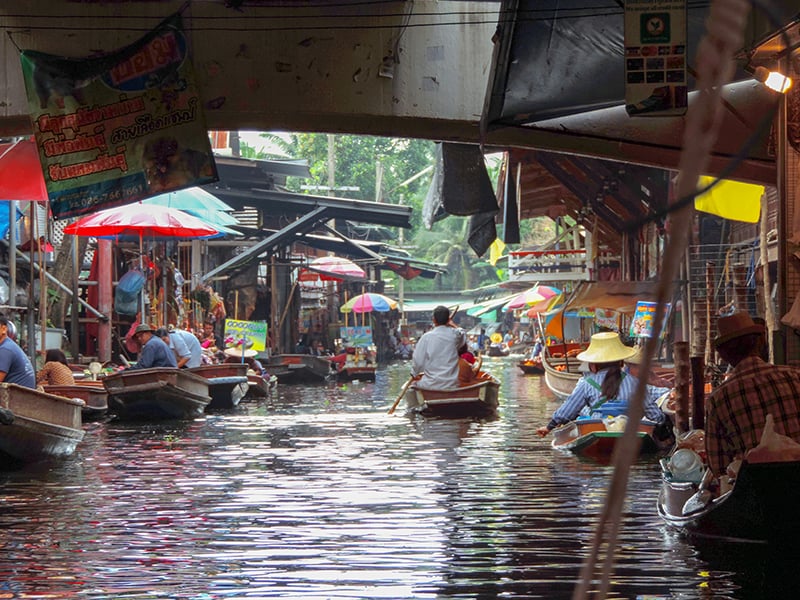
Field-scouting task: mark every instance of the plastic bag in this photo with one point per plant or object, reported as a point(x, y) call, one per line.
point(773, 446)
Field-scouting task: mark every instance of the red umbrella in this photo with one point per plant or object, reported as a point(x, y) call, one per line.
point(21, 175)
point(332, 268)
point(140, 221)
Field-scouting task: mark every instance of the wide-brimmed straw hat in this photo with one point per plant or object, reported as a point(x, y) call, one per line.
point(636, 358)
point(606, 347)
point(239, 351)
point(734, 326)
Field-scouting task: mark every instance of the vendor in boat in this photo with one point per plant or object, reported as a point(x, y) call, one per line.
point(55, 370)
point(606, 381)
point(239, 354)
point(434, 363)
point(153, 351)
point(15, 366)
point(185, 345)
point(736, 412)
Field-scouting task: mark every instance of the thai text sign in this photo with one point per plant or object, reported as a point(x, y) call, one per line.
point(642, 324)
point(356, 337)
point(254, 334)
point(655, 57)
point(117, 128)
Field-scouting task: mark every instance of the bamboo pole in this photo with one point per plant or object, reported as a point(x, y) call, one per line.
point(769, 309)
point(683, 379)
point(698, 406)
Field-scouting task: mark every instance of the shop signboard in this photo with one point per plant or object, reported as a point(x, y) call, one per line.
point(642, 323)
point(356, 337)
point(252, 333)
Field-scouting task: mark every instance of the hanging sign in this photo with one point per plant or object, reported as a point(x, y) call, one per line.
point(642, 323)
point(253, 334)
point(121, 127)
point(606, 319)
point(655, 57)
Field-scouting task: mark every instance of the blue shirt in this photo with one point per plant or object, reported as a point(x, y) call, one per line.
point(186, 345)
point(155, 353)
point(586, 395)
point(16, 365)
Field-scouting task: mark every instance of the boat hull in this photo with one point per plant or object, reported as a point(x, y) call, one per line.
point(362, 373)
point(531, 367)
point(93, 394)
point(227, 383)
point(589, 438)
point(44, 425)
point(561, 383)
point(479, 399)
point(156, 394)
point(299, 368)
point(761, 507)
point(258, 387)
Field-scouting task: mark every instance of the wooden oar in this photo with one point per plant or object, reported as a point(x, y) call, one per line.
point(402, 393)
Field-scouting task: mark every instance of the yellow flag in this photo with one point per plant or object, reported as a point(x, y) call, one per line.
point(496, 251)
point(731, 200)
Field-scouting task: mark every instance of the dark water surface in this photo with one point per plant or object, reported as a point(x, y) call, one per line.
point(318, 493)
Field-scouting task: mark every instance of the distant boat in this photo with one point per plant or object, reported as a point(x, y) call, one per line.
point(156, 394)
point(478, 399)
point(259, 387)
point(299, 368)
point(531, 366)
point(227, 383)
point(35, 425)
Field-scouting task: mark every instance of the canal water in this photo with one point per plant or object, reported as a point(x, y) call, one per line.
point(318, 493)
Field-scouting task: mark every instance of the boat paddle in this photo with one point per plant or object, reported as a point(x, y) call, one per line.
point(402, 393)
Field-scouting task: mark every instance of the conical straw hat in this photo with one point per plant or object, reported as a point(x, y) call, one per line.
point(606, 347)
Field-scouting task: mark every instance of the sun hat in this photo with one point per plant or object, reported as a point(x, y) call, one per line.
point(606, 347)
point(142, 328)
point(734, 326)
point(238, 351)
point(636, 358)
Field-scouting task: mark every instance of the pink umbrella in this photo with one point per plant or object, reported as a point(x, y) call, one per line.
point(332, 268)
point(140, 221)
point(531, 296)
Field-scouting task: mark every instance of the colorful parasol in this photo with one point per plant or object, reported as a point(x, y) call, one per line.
point(545, 305)
point(532, 296)
point(332, 268)
point(369, 302)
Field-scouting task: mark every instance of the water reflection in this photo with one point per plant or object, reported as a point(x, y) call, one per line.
point(318, 493)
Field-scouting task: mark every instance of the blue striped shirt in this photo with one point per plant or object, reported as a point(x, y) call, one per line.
point(585, 396)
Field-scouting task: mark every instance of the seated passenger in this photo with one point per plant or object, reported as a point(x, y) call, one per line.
point(154, 352)
point(605, 382)
point(435, 358)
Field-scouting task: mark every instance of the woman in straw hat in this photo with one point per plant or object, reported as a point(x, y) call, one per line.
point(605, 381)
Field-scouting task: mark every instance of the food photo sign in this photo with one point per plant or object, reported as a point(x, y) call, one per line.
point(252, 333)
point(642, 323)
point(655, 58)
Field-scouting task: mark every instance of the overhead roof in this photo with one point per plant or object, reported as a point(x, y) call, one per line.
point(558, 78)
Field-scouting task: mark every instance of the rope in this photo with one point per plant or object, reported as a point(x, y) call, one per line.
point(724, 27)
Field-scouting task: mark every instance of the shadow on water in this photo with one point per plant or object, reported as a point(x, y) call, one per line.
point(316, 492)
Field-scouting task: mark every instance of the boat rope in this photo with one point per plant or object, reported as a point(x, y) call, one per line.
point(724, 36)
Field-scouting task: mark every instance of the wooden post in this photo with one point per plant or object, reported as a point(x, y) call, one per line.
point(698, 406)
point(710, 285)
point(105, 299)
point(683, 378)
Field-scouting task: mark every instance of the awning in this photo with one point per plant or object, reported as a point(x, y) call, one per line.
point(481, 308)
point(621, 296)
point(427, 306)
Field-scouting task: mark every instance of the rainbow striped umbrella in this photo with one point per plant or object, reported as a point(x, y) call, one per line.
point(369, 302)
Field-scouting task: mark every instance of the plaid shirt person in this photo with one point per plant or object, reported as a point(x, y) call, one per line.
point(737, 411)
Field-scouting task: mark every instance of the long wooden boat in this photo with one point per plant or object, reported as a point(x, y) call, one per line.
point(761, 507)
point(259, 387)
point(299, 368)
point(158, 393)
point(478, 399)
point(93, 394)
point(351, 372)
point(561, 368)
point(35, 425)
point(593, 438)
point(227, 383)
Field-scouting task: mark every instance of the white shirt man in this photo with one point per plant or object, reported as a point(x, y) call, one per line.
point(186, 346)
point(436, 353)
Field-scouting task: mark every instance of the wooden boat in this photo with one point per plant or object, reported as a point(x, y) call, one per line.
point(594, 438)
point(761, 507)
point(497, 350)
point(478, 399)
point(158, 393)
point(561, 375)
point(299, 368)
point(227, 383)
point(35, 425)
point(260, 387)
point(93, 394)
point(531, 366)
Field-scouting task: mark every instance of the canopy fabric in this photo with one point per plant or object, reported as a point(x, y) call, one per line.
point(532, 296)
point(136, 220)
point(621, 296)
point(481, 308)
point(332, 268)
point(369, 302)
point(21, 175)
